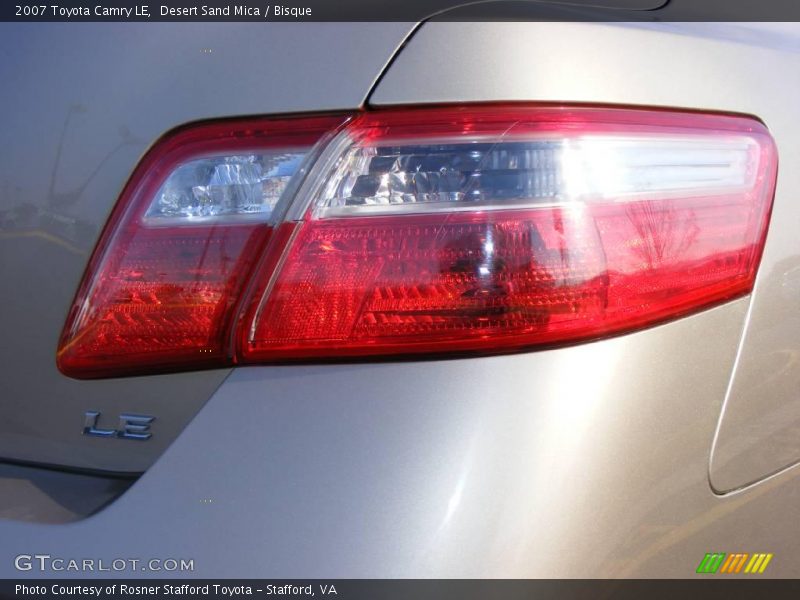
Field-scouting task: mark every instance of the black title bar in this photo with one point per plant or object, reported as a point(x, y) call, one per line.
point(397, 10)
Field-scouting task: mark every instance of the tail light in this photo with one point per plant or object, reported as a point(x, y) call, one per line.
point(430, 231)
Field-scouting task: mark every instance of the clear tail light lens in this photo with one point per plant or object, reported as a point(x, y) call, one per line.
point(424, 231)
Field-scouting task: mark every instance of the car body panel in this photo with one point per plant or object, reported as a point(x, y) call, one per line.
point(482, 467)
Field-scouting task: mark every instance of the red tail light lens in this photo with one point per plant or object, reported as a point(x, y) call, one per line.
point(439, 230)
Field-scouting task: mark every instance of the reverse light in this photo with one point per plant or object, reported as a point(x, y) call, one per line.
point(424, 231)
